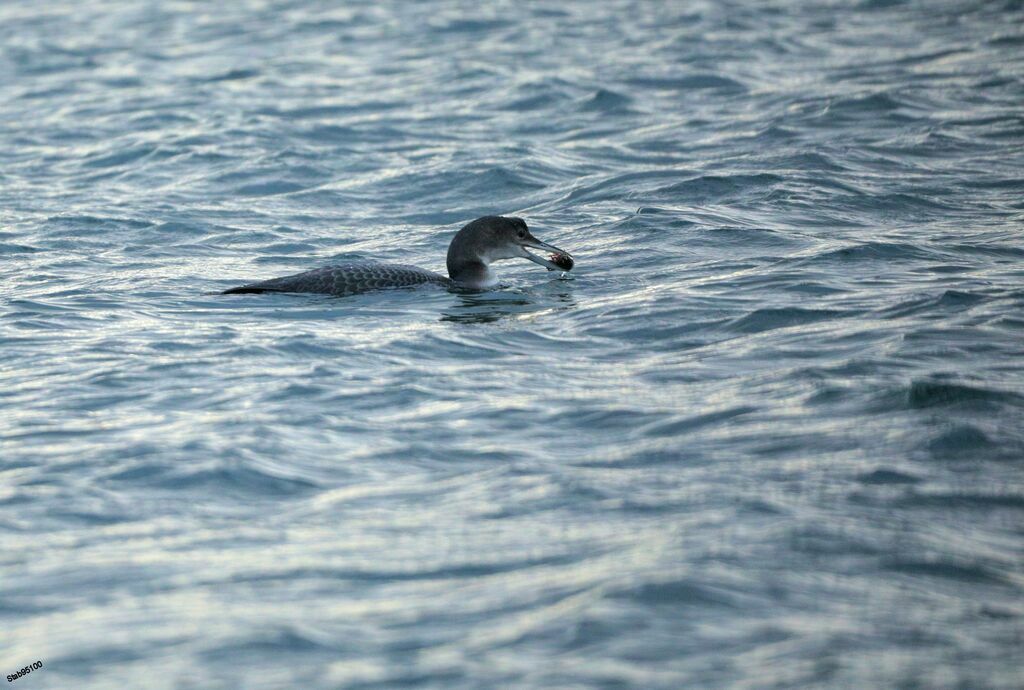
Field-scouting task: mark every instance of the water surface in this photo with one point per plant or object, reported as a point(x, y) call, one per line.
point(770, 435)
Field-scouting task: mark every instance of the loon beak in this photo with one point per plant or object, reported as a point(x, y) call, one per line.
point(560, 260)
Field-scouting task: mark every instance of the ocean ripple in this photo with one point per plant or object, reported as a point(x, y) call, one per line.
point(767, 434)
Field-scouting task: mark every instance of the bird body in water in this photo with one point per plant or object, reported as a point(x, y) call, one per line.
point(470, 254)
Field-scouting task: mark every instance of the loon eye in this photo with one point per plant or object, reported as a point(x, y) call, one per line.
point(522, 234)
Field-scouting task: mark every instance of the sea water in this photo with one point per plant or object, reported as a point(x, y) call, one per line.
point(769, 434)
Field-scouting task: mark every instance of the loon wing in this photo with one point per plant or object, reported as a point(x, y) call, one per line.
point(345, 279)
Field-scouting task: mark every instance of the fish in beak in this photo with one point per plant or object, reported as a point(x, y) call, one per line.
point(558, 259)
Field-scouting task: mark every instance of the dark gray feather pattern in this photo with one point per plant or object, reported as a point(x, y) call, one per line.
point(347, 279)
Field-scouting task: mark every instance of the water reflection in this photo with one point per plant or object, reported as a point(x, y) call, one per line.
point(474, 306)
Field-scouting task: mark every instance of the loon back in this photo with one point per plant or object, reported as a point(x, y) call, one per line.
point(346, 279)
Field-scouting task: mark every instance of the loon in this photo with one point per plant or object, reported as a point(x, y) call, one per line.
point(474, 247)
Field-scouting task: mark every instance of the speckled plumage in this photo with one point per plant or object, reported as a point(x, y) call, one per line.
point(474, 247)
point(346, 279)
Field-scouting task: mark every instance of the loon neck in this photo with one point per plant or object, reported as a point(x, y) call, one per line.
point(473, 273)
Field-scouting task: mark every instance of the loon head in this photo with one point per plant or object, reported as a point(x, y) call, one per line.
point(493, 238)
